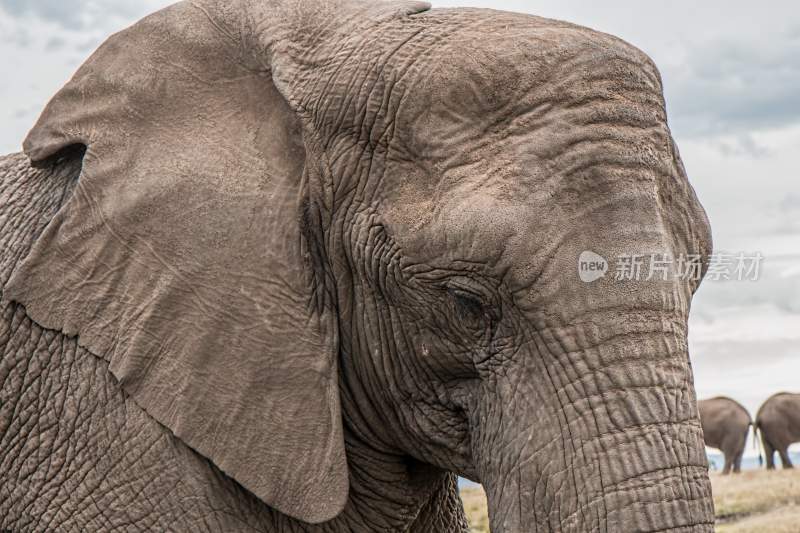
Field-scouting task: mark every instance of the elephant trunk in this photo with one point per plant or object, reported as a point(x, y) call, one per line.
point(598, 433)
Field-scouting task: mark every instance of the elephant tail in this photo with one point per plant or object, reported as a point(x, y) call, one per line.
point(757, 443)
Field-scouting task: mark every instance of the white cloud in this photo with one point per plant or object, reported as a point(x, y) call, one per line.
point(81, 14)
point(752, 324)
point(736, 84)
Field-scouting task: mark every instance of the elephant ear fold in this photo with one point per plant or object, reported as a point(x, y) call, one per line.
point(182, 256)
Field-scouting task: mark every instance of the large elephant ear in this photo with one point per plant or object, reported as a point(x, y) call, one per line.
point(183, 256)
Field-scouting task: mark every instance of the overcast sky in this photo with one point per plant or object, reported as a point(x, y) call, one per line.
point(731, 72)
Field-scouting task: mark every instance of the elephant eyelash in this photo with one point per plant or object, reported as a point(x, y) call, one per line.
point(468, 288)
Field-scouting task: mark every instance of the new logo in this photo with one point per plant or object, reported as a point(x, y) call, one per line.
point(591, 266)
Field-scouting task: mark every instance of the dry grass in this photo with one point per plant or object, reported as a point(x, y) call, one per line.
point(756, 501)
point(475, 506)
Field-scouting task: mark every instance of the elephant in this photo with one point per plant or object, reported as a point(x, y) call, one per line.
point(287, 265)
point(778, 420)
point(726, 424)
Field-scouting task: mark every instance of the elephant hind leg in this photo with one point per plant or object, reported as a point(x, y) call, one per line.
point(728, 463)
point(737, 462)
point(738, 452)
point(787, 463)
point(769, 454)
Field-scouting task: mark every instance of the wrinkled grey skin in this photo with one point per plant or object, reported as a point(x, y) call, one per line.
point(77, 454)
point(778, 420)
point(456, 164)
point(725, 425)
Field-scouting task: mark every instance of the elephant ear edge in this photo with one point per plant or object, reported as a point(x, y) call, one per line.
point(180, 257)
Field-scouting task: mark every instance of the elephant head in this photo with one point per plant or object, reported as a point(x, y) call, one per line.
point(296, 220)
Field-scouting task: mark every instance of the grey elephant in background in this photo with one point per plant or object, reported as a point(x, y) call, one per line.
point(778, 420)
point(293, 266)
point(726, 424)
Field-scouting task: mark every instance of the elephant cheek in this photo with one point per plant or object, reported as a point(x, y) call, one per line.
point(601, 438)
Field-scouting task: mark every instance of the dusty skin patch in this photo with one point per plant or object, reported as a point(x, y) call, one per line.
point(751, 502)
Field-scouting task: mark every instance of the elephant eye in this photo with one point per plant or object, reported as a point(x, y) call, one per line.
point(467, 304)
point(469, 308)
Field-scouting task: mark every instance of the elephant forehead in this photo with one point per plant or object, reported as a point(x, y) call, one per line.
point(527, 110)
point(481, 73)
